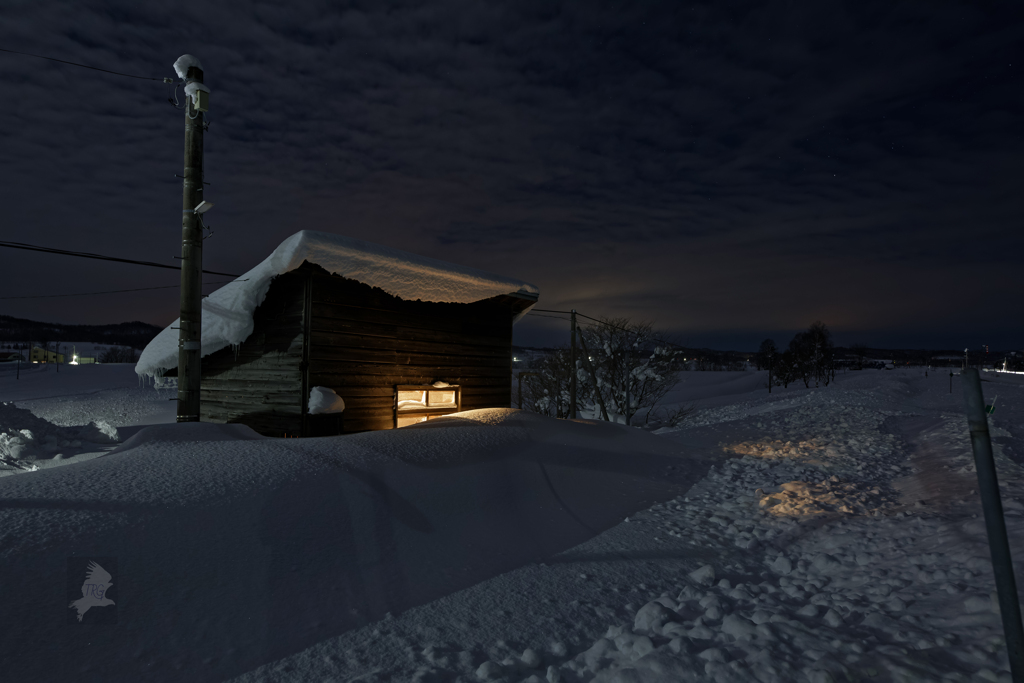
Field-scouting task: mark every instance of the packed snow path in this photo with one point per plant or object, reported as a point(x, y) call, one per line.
point(840, 538)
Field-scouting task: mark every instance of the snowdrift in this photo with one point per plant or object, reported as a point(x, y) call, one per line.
point(234, 550)
point(227, 312)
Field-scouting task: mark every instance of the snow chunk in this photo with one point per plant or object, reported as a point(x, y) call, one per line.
point(704, 576)
point(833, 619)
point(182, 64)
point(99, 431)
point(227, 312)
point(323, 400)
point(827, 564)
point(739, 628)
point(530, 658)
point(652, 617)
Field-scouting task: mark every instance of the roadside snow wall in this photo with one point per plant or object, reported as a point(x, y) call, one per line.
point(234, 550)
point(227, 313)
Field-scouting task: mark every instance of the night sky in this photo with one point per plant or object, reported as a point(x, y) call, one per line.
point(729, 170)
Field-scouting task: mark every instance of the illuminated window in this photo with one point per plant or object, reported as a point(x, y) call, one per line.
point(414, 404)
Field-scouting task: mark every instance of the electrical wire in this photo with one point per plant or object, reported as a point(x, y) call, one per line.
point(616, 327)
point(84, 66)
point(553, 317)
point(111, 291)
point(83, 254)
point(537, 311)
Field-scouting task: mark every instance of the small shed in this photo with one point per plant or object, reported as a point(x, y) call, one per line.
point(331, 335)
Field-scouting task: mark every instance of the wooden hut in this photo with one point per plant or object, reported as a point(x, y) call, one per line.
point(391, 360)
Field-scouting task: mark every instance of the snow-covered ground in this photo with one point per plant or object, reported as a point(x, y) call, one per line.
point(804, 535)
point(72, 414)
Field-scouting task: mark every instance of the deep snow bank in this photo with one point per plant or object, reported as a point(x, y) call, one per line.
point(227, 312)
point(815, 550)
point(25, 438)
point(233, 550)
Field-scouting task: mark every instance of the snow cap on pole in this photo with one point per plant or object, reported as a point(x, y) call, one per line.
point(182, 64)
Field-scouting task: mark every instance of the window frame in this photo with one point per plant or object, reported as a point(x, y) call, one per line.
point(427, 412)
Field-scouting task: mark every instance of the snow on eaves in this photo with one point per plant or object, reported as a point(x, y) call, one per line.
point(182, 64)
point(192, 88)
point(227, 312)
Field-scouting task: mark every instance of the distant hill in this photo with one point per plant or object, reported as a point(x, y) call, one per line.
point(135, 334)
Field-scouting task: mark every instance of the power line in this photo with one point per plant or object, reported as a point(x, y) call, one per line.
point(601, 322)
point(553, 317)
point(109, 291)
point(83, 254)
point(85, 66)
point(616, 327)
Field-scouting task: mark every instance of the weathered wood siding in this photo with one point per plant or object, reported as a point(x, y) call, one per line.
point(364, 342)
point(260, 385)
point(317, 329)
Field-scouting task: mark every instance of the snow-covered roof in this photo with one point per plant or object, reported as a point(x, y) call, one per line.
point(227, 312)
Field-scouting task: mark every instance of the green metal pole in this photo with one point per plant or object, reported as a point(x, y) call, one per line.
point(995, 523)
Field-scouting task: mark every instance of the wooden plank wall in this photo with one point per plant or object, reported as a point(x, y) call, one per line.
point(361, 343)
point(364, 341)
point(260, 385)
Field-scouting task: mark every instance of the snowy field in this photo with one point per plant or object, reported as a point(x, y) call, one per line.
point(57, 407)
point(804, 535)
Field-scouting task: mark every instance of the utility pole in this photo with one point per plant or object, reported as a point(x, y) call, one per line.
point(995, 522)
point(572, 365)
point(593, 375)
point(770, 355)
point(190, 326)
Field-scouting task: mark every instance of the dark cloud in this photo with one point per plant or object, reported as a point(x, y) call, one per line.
point(724, 169)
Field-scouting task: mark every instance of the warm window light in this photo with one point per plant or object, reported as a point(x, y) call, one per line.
point(425, 399)
point(418, 404)
point(440, 398)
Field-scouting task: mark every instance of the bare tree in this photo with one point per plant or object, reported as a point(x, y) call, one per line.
point(630, 360)
point(785, 369)
point(623, 358)
point(814, 355)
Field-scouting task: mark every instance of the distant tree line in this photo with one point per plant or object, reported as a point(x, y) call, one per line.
point(132, 334)
point(119, 354)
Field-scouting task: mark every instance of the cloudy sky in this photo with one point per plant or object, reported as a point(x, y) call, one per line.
point(727, 170)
